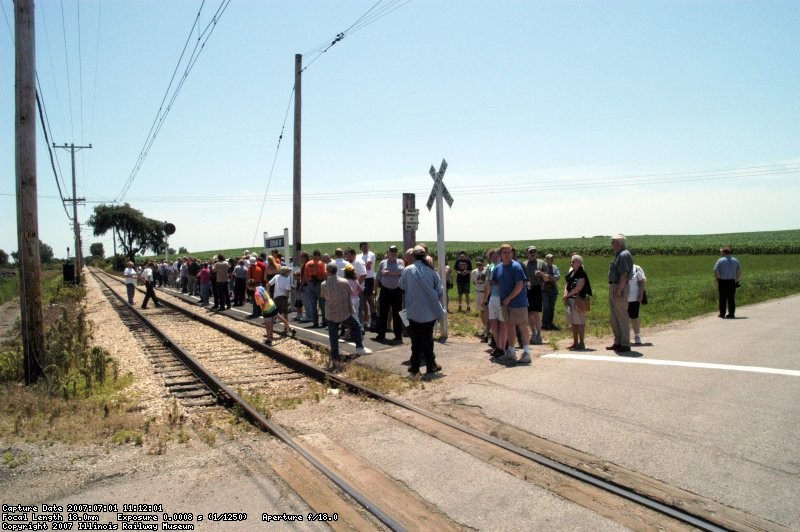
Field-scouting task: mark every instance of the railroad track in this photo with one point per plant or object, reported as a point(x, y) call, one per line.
point(648, 503)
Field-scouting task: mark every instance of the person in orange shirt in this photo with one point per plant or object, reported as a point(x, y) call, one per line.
point(254, 273)
point(314, 274)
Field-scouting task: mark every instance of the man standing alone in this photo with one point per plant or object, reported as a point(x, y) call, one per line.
point(618, 290)
point(728, 272)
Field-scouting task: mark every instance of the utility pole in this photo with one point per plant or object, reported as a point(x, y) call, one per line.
point(75, 200)
point(27, 206)
point(298, 103)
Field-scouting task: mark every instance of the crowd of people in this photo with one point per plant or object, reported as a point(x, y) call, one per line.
point(350, 293)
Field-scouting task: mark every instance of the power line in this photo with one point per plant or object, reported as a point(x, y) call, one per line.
point(40, 105)
point(162, 113)
point(272, 170)
point(66, 64)
point(369, 17)
point(540, 184)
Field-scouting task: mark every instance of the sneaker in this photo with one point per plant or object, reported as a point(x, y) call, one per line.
point(612, 347)
point(581, 346)
point(484, 340)
point(469, 309)
point(435, 369)
point(537, 340)
point(637, 340)
point(380, 338)
point(508, 356)
point(525, 359)
point(363, 351)
point(414, 375)
point(335, 367)
point(497, 352)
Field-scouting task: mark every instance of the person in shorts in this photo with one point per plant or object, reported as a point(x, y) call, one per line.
point(269, 310)
point(478, 279)
point(511, 280)
point(637, 282)
point(463, 267)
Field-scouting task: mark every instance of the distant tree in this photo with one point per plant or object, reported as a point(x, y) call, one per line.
point(15, 256)
point(97, 250)
point(3, 258)
point(134, 231)
point(171, 251)
point(182, 250)
point(45, 252)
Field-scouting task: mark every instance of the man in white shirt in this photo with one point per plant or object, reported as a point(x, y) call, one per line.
point(368, 303)
point(637, 283)
point(130, 275)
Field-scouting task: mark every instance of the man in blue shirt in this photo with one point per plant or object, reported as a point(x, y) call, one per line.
point(728, 272)
point(511, 281)
point(423, 295)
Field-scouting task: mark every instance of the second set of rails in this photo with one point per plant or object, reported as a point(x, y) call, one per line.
point(234, 360)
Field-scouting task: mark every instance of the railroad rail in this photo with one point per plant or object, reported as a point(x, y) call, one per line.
point(682, 506)
point(226, 395)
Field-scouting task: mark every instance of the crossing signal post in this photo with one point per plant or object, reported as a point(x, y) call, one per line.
point(438, 194)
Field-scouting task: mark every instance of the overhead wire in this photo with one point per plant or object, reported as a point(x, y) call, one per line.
point(96, 66)
point(145, 147)
point(8, 22)
point(369, 17)
point(363, 20)
point(45, 130)
point(66, 65)
point(274, 160)
point(539, 185)
point(162, 113)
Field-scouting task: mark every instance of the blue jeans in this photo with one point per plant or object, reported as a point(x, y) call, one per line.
point(333, 334)
point(548, 306)
point(204, 290)
point(131, 290)
point(313, 293)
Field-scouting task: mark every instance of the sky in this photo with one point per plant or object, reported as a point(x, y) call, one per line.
point(557, 118)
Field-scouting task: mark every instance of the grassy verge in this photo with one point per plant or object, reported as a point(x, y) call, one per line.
point(81, 397)
point(677, 288)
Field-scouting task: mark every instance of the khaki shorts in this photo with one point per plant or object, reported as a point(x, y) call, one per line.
point(479, 300)
point(518, 316)
point(573, 316)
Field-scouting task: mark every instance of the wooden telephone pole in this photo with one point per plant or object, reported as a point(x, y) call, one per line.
point(298, 105)
point(27, 206)
point(75, 200)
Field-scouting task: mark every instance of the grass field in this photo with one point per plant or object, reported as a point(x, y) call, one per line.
point(677, 288)
point(9, 286)
point(679, 270)
point(754, 243)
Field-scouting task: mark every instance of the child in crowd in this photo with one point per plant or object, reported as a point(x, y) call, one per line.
point(281, 286)
point(269, 310)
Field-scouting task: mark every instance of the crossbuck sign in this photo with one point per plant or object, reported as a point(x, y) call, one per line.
point(438, 184)
point(438, 194)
